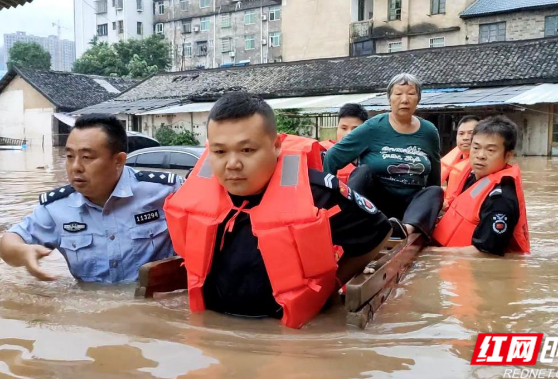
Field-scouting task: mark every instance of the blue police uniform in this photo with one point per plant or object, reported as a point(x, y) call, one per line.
point(110, 243)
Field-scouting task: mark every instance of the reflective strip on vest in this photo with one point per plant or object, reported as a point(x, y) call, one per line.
point(205, 170)
point(480, 187)
point(289, 174)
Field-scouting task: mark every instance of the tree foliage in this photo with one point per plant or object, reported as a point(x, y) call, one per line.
point(168, 137)
point(290, 121)
point(133, 58)
point(29, 55)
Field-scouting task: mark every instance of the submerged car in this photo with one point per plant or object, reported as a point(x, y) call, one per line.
point(177, 159)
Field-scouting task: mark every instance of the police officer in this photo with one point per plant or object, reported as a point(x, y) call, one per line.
point(107, 222)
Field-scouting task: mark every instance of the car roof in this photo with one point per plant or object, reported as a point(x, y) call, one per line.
point(196, 150)
point(132, 134)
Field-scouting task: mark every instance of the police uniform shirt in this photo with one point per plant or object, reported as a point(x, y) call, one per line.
point(238, 283)
point(110, 243)
point(498, 217)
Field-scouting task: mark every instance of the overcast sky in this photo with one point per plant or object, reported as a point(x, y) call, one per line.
point(37, 18)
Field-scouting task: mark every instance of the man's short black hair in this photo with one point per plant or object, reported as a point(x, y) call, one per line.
point(467, 119)
point(501, 126)
point(239, 105)
point(353, 110)
point(116, 135)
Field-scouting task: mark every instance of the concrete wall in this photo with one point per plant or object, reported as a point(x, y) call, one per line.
point(194, 122)
point(534, 125)
point(25, 113)
point(417, 25)
point(131, 16)
point(85, 27)
point(519, 25)
point(316, 29)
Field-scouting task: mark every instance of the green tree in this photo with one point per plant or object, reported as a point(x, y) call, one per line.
point(132, 58)
point(186, 138)
point(290, 121)
point(165, 135)
point(29, 55)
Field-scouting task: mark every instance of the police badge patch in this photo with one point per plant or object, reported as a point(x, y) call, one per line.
point(500, 224)
point(74, 227)
point(365, 204)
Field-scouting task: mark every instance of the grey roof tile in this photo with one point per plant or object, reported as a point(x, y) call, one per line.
point(487, 7)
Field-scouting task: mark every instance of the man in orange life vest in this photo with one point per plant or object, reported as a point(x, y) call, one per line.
point(454, 162)
point(350, 116)
point(256, 220)
point(487, 211)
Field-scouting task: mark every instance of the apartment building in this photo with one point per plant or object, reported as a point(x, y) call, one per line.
point(220, 33)
point(111, 21)
point(62, 52)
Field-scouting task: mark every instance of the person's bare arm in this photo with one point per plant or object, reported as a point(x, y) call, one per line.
point(15, 252)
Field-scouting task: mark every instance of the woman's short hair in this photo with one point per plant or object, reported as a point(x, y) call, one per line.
point(405, 79)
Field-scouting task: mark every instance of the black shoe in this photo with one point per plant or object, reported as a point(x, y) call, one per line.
point(399, 230)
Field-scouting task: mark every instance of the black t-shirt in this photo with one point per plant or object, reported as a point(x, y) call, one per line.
point(498, 217)
point(238, 282)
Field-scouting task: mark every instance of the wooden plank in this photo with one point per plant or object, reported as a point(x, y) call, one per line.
point(166, 275)
point(363, 287)
point(364, 315)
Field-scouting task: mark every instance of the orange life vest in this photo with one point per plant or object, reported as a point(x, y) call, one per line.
point(454, 179)
point(458, 224)
point(449, 160)
point(294, 237)
point(345, 172)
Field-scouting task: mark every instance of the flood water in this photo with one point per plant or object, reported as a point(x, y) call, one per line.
point(427, 328)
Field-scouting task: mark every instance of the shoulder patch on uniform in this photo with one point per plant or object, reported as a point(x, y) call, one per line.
point(497, 191)
point(323, 179)
point(55, 194)
point(160, 177)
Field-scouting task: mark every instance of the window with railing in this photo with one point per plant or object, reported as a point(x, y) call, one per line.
point(226, 45)
point(226, 20)
point(394, 11)
point(437, 42)
point(201, 48)
point(437, 6)
point(394, 47)
point(101, 6)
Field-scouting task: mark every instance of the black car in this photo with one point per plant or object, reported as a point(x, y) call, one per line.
point(166, 158)
point(138, 141)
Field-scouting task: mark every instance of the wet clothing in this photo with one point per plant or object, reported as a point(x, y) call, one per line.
point(110, 243)
point(420, 209)
point(500, 205)
point(403, 163)
point(238, 282)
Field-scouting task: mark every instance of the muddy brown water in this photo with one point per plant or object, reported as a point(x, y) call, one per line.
point(427, 328)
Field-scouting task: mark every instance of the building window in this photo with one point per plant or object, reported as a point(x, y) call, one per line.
point(186, 27)
point(114, 25)
point(250, 17)
point(438, 42)
point(139, 4)
point(205, 3)
point(159, 28)
point(204, 24)
point(161, 7)
point(492, 32)
point(249, 43)
point(275, 39)
point(201, 49)
point(551, 26)
point(226, 45)
point(394, 11)
point(188, 49)
point(437, 6)
point(395, 46)
point(184, 5)
point(226, 20)
point(121, 27)
point(119, 5)
point(102, 30)
point(101, 6)
point(274, 13)
point(140, 28)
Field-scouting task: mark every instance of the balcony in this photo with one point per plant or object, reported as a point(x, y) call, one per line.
point(361, 30)
point(101, 6)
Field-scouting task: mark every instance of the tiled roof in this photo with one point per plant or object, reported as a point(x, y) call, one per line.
point(505, 63)
point(70, 91)
point(487, 7)
point(12, 3)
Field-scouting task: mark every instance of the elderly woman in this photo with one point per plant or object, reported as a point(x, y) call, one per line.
point(400, 161)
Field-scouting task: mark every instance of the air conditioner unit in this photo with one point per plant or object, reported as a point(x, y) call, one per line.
point(264, 17)
point(264, 41)
point(231, 54)
point(196, 29)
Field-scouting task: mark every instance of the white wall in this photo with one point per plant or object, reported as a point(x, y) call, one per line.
point(11, 114)
point(85, 26)
point(195, 122)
